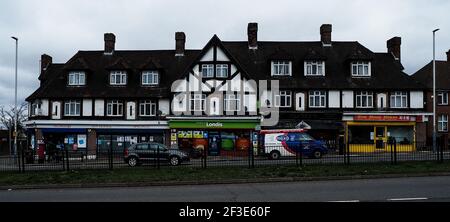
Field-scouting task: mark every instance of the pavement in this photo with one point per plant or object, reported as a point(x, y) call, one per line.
point(425, 188)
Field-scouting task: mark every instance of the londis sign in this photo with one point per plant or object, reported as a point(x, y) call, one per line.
point(213, 124)
point(384, 118)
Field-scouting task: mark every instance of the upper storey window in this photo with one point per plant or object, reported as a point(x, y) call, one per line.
point(281, 68)
point(361, 69)
point(150, 78)
point(222, 70)
point(208, 70)
point(315, 68)
point(77, 78)
point(118, 78)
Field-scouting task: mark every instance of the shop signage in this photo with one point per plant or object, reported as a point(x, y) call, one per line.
point(223, 124)
point(81, 140)
point(383, 118)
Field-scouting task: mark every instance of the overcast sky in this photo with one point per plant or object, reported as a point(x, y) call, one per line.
point(61, 28)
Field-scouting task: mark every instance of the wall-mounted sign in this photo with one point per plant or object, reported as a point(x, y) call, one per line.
point(383, 118)
point(185, 134)
point(214, 124)
point(173, 136)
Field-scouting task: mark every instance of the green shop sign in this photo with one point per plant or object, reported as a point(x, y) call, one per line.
point(213, 124)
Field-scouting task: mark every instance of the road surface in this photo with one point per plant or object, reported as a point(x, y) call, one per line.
point(391, 189)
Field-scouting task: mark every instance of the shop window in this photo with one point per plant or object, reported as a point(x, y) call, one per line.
point(361, 135)
point(401, 134)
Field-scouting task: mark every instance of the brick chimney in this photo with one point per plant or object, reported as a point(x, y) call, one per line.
point(180, 40)
point(325, 34)
point(110, 41)
point(46, 60)
point(252, 33)
point(393, 47)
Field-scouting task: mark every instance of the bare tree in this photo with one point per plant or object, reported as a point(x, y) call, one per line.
point(7, 117)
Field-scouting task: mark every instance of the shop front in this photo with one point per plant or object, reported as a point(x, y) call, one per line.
point(218, 136)
point(367, 133)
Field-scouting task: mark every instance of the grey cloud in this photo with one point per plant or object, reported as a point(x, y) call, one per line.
point(61, 28)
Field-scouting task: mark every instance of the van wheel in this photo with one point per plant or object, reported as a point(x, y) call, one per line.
point(174, 161)
point(317, 154)
point(132, 161)
point(274, 155)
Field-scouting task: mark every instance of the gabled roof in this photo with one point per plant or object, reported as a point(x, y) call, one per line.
point(425, 75)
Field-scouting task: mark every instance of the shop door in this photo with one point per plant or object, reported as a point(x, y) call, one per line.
point(214, 143)
point(380, 137)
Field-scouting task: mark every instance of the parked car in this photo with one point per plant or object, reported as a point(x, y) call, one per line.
point(278, 145)
point(139, 153)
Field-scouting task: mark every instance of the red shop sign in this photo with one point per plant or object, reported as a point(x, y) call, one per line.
point(382, 118)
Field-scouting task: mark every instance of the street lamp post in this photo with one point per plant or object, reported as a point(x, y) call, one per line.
point(15, 100)
point(434, 89)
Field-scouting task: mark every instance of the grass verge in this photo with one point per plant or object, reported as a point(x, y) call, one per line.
point(219, 174)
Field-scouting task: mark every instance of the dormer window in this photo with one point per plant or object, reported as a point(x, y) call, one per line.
point(208, 70)
point(77, 78)
point(150, 78)
point(281, 68)
point(118, 78)
point(360, 69)
point(314, 68)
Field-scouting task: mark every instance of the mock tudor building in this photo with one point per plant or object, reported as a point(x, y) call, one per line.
point(425, 76)
point(220, 96)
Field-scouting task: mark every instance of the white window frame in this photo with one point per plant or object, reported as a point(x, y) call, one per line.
point(36, 108)
point(283, 95)
point(443, 123)
point(77, 78)
point(361, 67)
point(72, 108)
point(279, 68)
point(442, 98)
point(112, 105)
point(319, 65)
point(147, 108)
point(150, 78)
point(209, 70)
point(193, 101)
point(118, 78)
point(399, 100)
point(220, 69)
point(232, 102)
point(320, 95)
point(362, 96)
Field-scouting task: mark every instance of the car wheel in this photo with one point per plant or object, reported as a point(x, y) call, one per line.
point(275, 155)
point(132, 161)
point(174, 161)
point(317, 154)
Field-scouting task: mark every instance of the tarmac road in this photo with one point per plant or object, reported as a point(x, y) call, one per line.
point(435, 188)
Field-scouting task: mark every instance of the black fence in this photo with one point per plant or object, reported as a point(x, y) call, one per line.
point(336, 153)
